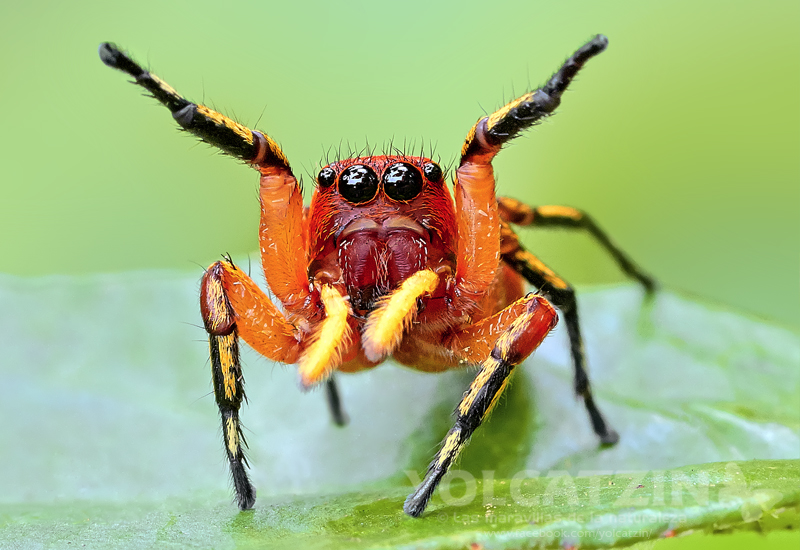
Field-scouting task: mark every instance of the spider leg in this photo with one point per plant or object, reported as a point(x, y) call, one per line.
point(490, 133)
point(519, 338)
point(209, 125)
point(224, 291)
point(558, 291)
point(324, 351)
point(281, 234)
point(334, 403)
point(516, 212)
point(476, 204)
point(393, 314)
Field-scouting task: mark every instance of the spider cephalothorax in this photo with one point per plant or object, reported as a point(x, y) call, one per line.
point(385, 262)
point(375, 221)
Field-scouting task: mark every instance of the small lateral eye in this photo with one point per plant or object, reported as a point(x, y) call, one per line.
point(432, 171)
point(402, 181)
point(358, 184)
point(326, 177)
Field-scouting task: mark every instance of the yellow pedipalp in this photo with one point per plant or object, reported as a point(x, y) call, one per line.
point(385, 326)
point(321, 356)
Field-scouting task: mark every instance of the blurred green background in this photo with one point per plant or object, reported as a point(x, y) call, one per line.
point(683, 139)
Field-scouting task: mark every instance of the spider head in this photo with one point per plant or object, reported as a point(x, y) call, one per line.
point(376, 220)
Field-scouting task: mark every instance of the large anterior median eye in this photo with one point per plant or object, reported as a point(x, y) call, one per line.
point(358, 184)
point(402, 181)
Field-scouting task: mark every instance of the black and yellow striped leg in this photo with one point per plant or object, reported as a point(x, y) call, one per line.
point(227, 377)
point(512, 347)
point(338, 415)
point(506, 123)
point(207, 124)
point(518, 213)
point(562, 295)
point(488, 385)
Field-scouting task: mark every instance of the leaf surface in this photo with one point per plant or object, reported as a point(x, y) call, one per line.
point(111, 438)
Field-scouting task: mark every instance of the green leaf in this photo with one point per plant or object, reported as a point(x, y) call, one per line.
point(110, 434)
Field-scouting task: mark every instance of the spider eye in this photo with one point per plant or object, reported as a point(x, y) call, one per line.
point(432, 171)
point(358, 184)
point(402, 181)
point(326, 177)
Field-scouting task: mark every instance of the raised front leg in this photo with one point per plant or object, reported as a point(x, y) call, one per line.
point(526, 323)
point(212, 127)
point(478, 249)
point(490, 133)
point(281, 236)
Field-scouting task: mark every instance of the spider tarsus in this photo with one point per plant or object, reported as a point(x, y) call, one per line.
point(341, 420)
point(608, 435)
point(414, 505)
point(417, 501)
point(112, 56)
point(650, 285)
point(109, 54)
point(595, 45)
point(610, 438)
point(245, 492)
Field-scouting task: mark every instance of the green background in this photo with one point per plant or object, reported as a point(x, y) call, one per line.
point(682, 139)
